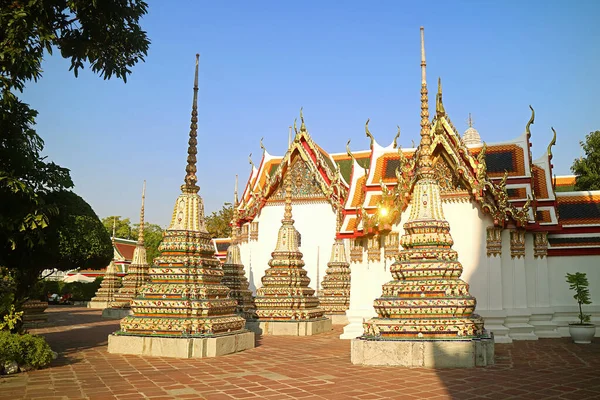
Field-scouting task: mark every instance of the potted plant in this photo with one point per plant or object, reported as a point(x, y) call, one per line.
point(583, 331)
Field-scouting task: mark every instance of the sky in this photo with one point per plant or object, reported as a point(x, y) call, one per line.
point(343, 62)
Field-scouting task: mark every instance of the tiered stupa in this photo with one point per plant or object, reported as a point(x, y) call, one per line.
point(335, 298)
point(184, 310)
point(471, 136)
point(109, 286)
point(426, 314)
point(285, 305)
point(234, 277)
point(137, 274)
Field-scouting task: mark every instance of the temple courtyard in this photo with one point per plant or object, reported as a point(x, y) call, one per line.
point(316, 367)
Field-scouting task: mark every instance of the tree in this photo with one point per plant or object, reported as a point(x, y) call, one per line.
point(587, 168)
point(107, 35)
point(153, 235)
point(123, 228)
point(42, 224)
point(218, 223)
point(74, 238)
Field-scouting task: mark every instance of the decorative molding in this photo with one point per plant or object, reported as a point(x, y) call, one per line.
point(540, 244)
point(494, 241)
point(391, 245)
point(254, 230)
point(374, 248)
point(356, 251)
point(517, 243)
point(244, 233)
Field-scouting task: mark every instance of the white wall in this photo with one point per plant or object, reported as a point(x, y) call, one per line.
point(560, 294)
point(316, 224)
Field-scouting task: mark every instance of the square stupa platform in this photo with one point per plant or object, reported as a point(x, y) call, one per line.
point(116, 313)
point(99, 305)
point(180, 347)
point(290, 328)
point(338, 319)
point(424, 354)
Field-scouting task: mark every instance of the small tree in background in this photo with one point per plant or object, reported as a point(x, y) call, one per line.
point(587, 168)
point(217, 223)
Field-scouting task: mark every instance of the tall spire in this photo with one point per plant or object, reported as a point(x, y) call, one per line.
point(287, 181)
point(424, 163)
point(234, 227)
point(141, 229)
point(190, 180)
point(470, 121)
point(114, 229)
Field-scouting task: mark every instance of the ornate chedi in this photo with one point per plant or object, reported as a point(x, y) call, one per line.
point(184, 303)
point(426, 314)
point(335, 297)
point(234, 276)
point(106, 292)
point(137, 273)
point(285, 304)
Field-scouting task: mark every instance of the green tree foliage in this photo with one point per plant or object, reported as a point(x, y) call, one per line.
point(587, 168)
point(153, 235)
point(74, 238)
point(218, 223)
point(105, 34)
point(123, 228)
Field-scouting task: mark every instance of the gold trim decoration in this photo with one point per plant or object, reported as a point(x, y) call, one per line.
point(540, 244)
point(517, 243)
point(494, 241)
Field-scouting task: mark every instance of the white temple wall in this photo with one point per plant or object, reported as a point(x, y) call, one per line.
point(560, 293)
point(316, 224)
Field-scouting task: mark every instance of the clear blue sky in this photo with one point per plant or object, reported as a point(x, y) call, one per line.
point(343, 62)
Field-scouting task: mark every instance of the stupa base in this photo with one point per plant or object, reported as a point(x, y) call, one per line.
point(338, 319)
point(424, 354)
point(153, 346)
point(116, 313)
point(289, 328)
point(99, 305)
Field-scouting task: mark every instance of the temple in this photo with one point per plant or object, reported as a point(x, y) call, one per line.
point(184, 310)
point(516, 227)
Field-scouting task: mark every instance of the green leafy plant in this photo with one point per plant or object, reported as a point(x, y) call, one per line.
point(26, 350)
point(579, 283)
point(11, 319)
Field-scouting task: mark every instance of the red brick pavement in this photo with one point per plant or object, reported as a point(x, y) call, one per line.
point(316, 367)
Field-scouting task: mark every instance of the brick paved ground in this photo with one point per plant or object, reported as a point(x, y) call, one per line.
point(315, 367)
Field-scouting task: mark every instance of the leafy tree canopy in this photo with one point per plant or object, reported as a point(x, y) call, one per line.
point(587, 168)
point(125, 230)
point(104, 34)
point(218, 223)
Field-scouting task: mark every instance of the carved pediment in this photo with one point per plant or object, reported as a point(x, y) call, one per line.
point(305, 186)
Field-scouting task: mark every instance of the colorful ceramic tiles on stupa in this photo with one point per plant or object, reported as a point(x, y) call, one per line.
point(185, 296)
point(110, 284)
point(335, 297)
point(426, 298)
point(285, 294)
point(234, 276)
point(137, 273)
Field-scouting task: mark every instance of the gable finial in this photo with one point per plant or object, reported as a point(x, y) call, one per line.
point(552, 143)
point(302, 126)
point(251, 163)
point(190, 180)
point(439, 105)
point(262, 146)
point(368, 133)
point(395, 142)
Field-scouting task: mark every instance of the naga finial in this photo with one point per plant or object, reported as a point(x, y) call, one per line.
point(303, 126)
point(395, 142)
point(531, 121)
point(349, 152)
point(369, 135)
point(262, 146)
point(552, 143)
point(295, 129)
point(439, 105)
point(250, 161)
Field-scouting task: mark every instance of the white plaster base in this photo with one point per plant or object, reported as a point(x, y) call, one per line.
point(427, 354)
point(180, 347)
point(289, 328)
point(98, 304)
point(517, 321)
point(338, 319)
point(494, 322)
point(356, 318)
point(116, 313)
